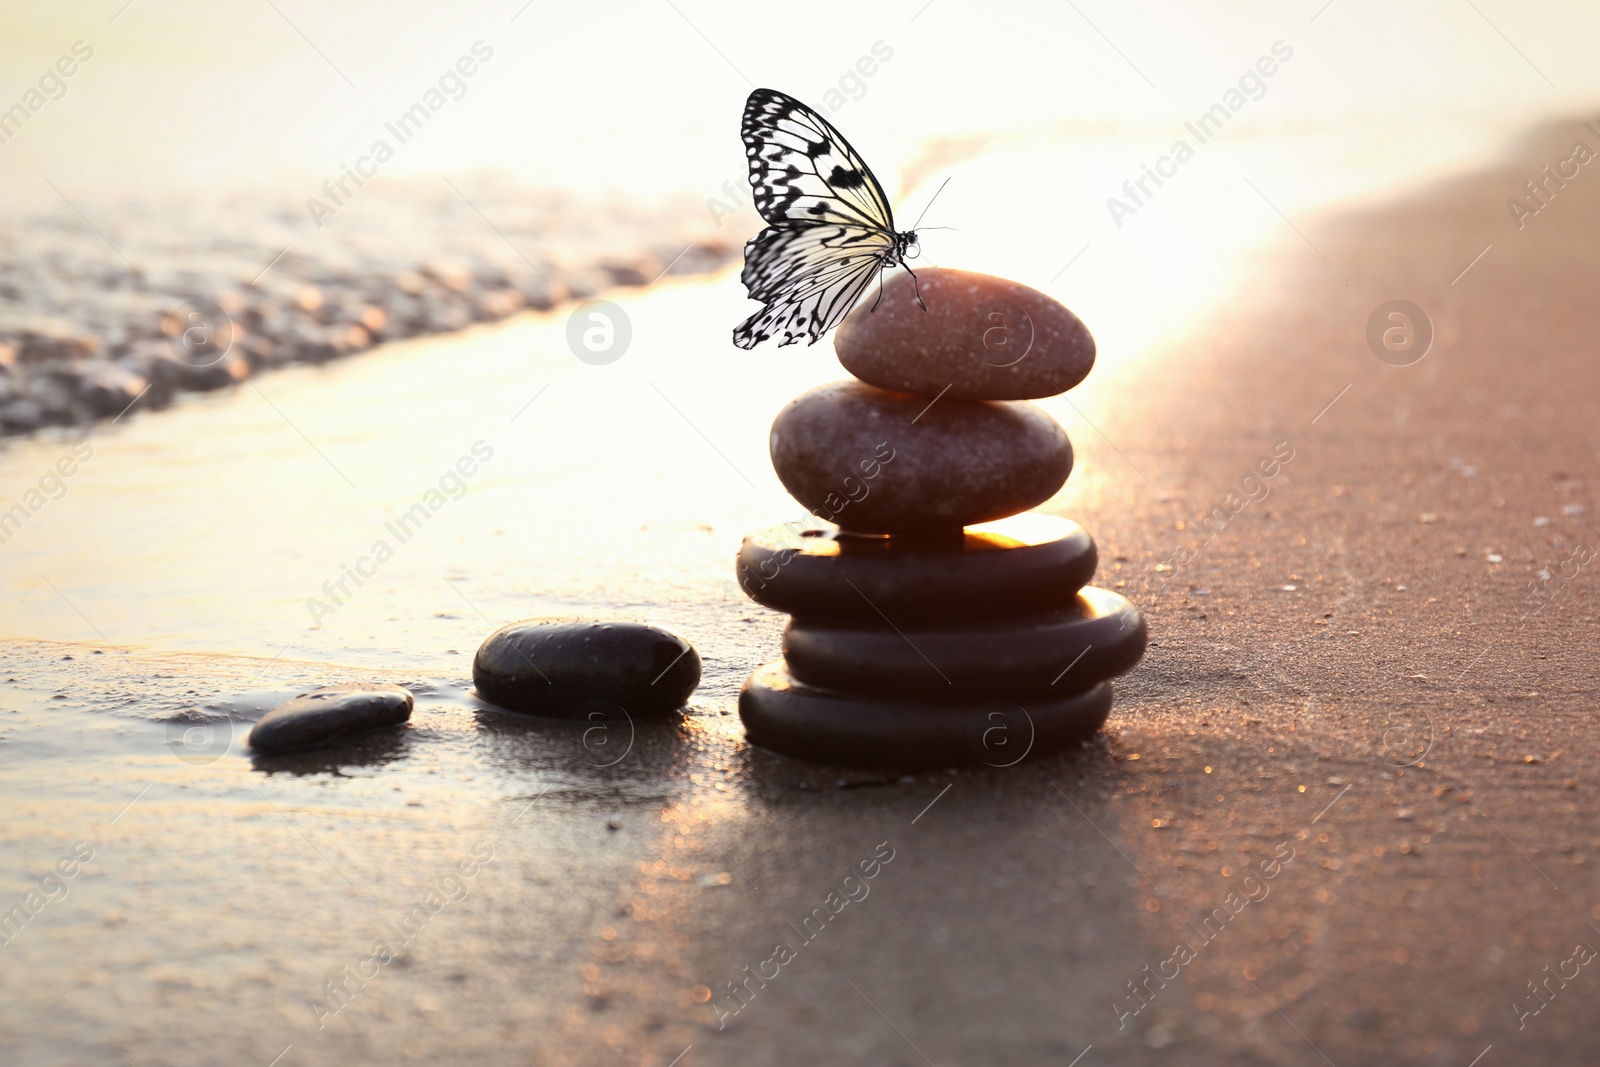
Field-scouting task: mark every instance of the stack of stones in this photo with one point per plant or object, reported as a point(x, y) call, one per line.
point(935, 621)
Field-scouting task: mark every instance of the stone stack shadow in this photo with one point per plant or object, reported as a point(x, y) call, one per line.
point(936, 620)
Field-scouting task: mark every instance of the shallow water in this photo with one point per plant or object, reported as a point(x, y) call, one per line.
point(210, 527)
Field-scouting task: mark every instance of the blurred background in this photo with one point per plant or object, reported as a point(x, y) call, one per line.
point(502, 157)
point(638, 100)
point(593, 143)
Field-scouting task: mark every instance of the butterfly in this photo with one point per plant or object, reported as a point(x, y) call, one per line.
point(829, 232)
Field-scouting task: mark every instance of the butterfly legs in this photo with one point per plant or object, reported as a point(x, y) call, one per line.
point(916, 285)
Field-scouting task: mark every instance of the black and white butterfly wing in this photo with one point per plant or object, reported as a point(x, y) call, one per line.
point(809, 277)
point(803, 170)
point(830, 230)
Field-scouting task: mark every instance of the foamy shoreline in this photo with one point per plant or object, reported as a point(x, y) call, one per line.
point(104, 306)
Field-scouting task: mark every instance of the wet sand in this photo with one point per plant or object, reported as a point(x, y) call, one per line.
point(1345, 688)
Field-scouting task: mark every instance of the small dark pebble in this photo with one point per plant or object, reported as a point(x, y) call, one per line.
point(566, 668)
point(328, 714)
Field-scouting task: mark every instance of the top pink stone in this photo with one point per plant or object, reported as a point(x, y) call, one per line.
point(982, 338)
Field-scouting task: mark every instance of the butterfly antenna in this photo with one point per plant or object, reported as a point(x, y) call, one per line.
point(935, 196)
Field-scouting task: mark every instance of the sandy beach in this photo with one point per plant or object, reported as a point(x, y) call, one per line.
point(1342, 810)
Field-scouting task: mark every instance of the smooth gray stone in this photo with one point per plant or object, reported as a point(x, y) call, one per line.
point(826, 726)
point(873, 461)
point(975, 335)
point(562, 667)
point(1098, 637)
point(325, 715)
point(1022, 564)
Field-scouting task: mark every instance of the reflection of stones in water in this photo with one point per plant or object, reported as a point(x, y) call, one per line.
point(1405, 742)
point(375, 749)
point(607, 733)
point(609, 746)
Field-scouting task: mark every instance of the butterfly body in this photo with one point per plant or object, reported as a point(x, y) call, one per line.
point(830, 230)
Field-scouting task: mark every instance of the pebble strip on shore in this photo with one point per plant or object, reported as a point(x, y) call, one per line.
point(142, 300)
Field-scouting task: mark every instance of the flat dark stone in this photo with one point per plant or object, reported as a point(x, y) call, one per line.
point(1061, 652)
point(1023, 564)
point(874, 461)
point(563, 667)
point(329, 714)
point(826, 726)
